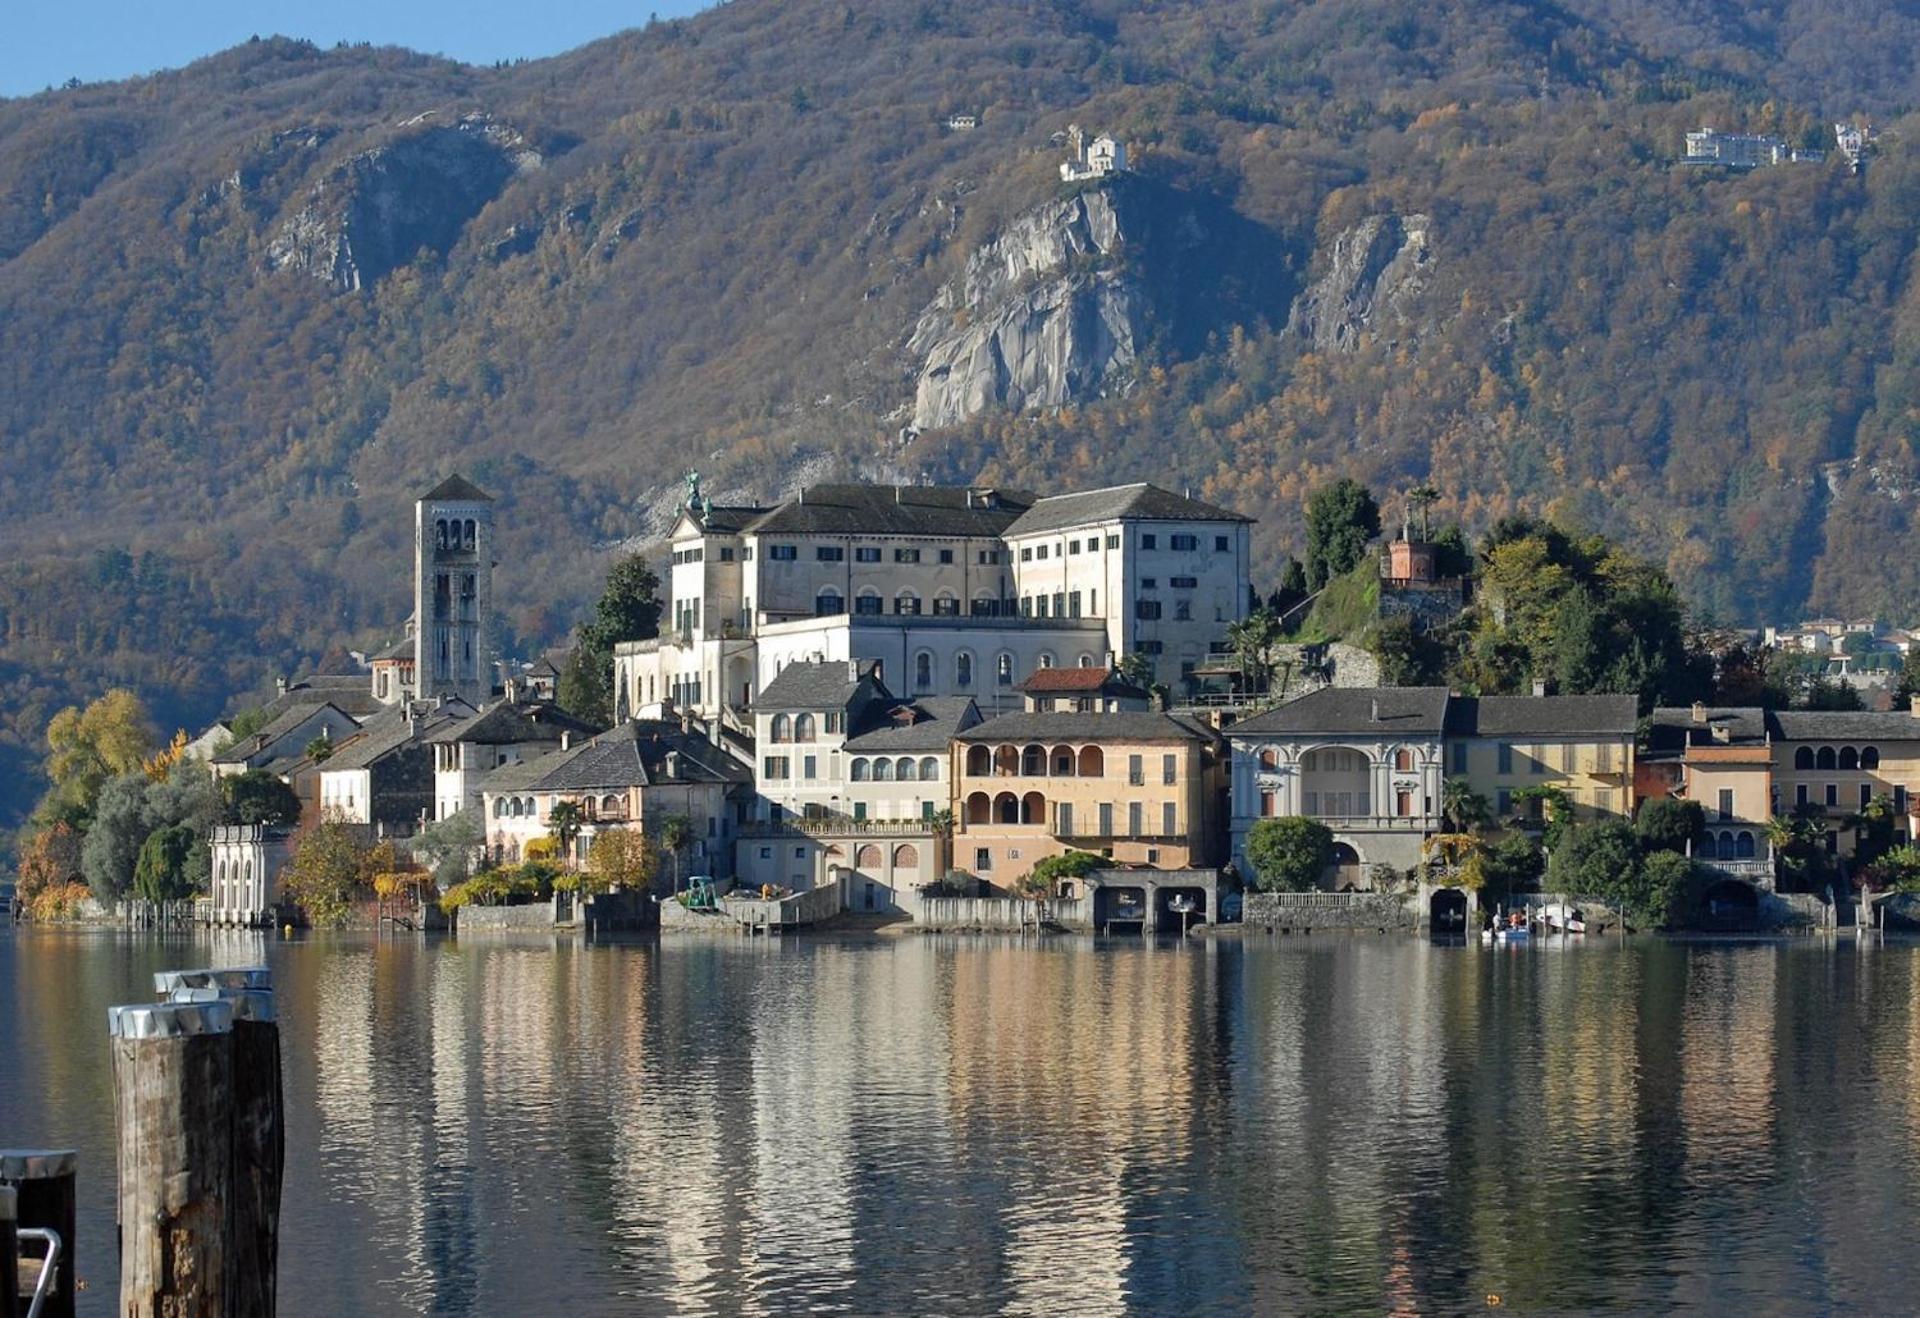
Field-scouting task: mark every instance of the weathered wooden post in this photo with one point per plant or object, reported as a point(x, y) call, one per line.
point(259, 1144)
point(43, 1182)
point(173, 1097)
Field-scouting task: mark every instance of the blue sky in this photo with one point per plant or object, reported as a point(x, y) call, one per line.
point(45, 42)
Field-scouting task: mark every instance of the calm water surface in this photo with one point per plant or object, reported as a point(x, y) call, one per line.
point(929, 1125)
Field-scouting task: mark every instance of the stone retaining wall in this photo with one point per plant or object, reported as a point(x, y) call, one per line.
point(481, 919)
point(1305, 911)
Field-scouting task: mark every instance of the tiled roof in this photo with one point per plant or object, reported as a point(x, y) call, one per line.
point(457, 489)
point(631, 755)
point(726, 519)
point(1844, 725)
point(1545, 716)
point(1075, 726)
point(504, 724)
point(816, 685)
point(1380, 710)
point(351, 694)
point(289, 720)
point(1140, 502)
point(933, 723)
point(1670, 729)
point(1057, 681)
point(894, 510)
point(400, 649)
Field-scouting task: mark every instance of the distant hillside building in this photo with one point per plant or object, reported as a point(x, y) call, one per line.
point(1744, 150)
point(962, 123)
point(1095, 159)
point(1854, 141)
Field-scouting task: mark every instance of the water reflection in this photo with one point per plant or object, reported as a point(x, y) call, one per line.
point(949, 1125)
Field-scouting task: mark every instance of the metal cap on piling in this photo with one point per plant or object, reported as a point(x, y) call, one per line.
point(236, 977)
point(248, 1004)
point(37, 1164)
point(170, 1020)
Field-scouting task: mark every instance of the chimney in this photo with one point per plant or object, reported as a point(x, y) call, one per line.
point(1539, 686)
point(1373, 714)
point(1699, 712)
point(280, 686)
point(896, 494)
point(673, 766)
point(566, 739)
point(853, 670)
point(1913, 706)
point(686, 722)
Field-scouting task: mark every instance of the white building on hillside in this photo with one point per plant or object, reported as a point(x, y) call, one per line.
point(1096, 159)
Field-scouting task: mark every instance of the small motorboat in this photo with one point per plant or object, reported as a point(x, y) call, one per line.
point(1562, 919)
point(1512, 928)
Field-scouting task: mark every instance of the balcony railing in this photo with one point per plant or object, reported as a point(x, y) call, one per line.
point(835, 824)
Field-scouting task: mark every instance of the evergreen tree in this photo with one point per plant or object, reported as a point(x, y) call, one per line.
point(1342, 519)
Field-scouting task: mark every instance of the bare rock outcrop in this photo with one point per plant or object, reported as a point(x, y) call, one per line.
point(374, 211)
point(1371, 276)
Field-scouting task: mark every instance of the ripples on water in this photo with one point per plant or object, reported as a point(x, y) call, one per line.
point(935, 1125)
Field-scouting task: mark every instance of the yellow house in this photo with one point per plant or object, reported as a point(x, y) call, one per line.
point(1140, 788)
point(1583, 745)
point(1833, 762)
point(1723, 759)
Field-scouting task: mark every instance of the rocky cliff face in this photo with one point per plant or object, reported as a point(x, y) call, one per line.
point(1044, 315)
point(374, 211)
point(1371, 276)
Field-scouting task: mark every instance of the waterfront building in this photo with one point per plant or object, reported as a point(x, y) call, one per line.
point(245, 861)
point(1722, 758)
point(634, 776)
point(852, 785)
point(1834, 762)
point(1366, 762)
point(950, 591)
point(1139, 788)
point(509, 731)
point(1581, 745)
point(381, 777)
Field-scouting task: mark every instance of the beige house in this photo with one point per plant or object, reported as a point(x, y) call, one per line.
point(1140, 788)
point(1582, 745)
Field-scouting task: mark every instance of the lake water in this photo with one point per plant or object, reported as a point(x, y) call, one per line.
point(937, 1125)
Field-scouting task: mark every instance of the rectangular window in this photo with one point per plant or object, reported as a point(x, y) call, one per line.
point(833, 720)
point(799, 853)
point(1566, 757)
point(829, 553)
point(1039, 606)
point(1866, 794)
point(1113, 542)
point(1136, 822)
point(1310, 802)
point(774, 766)
point(1726, 803)
point(1403, 804)
point(1800, 794)
point(946, 607)
point(946, 556)
point(1506, 757)
point(1059, 603)
point(1073, 604)
point(1183, 583)
point(982, 860)
point(1169, 768)
point(1149, 583)
point(1146, 610)
point(1536, 759)
point(1269, 803)
point(1063, 819)
point(1833, 794)
point(766, 853)
point(783, 553)
point(1503, 803)
point(1106, 819)
point(1041, 552)
point(1603, 758)
point(1459, 753)
point(1026, 553)
point(906, 555)
point(866, 554)
point(1220, 544)
point(1149, 542)
point(1149, 647)
point(988, 557)
point(809, 767)
point(1900, 800)
point(726, 554)
point(906, 604)
point(1136, 770)
point(1183, 610)
point(1185, 543)
point(1169, 819)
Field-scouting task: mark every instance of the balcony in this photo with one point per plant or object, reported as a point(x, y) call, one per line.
point(835, 825)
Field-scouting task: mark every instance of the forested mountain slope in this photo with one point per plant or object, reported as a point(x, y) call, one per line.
point(247, 309)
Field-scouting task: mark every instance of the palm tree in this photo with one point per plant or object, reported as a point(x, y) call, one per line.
point(676, 835)
point(1465, 810)
point(563, 826)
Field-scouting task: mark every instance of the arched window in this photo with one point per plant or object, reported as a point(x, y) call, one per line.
point(906, 602)
point(929, 769)
point(499, 807)
point(1060, 762)
point(868, 858)
point(1269, 758)
point(922, 671)
point(1045, 660)
point(1085, 661)
point(1033, 762)
point(883, 770)
point(610, 804)
point(979, 809)
point(513, 807)
point(440, 533)
point(963, 670)
point(782, 728)
point(1093, 763)
point(803, 727)
point(1723, 847)
point(946, 605)
point(1870, 757)
point(868, 602)
point(905, 857)
point(1824, 759)
point(1849, 758)
point(467, 535)
point(1006, 808)
point(1033, 808)
point(860, 771)
point(1003, 669)
point(903, 769)
point(1403, 760)
point(979, 761)
point(828, 603)
point(1743, 846)
point(1803, 758)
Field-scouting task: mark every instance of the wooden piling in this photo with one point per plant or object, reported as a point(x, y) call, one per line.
point(43, 1182)
point(259, 1146)
point(173, 1094)
point(9, 1252)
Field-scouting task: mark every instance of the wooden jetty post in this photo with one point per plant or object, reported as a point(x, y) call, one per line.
point(259, 1145)
point(43, 1183)
point(173, 1097)
point(9, 1252)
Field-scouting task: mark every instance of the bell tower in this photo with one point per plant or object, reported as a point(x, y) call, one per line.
point(453, 592)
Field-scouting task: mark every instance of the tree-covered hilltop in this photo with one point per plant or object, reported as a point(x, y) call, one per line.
point(249, 308)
